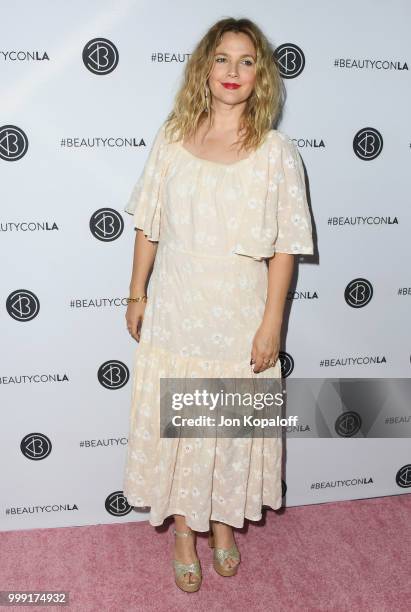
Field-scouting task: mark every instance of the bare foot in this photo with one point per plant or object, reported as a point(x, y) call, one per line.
point(224, 538)
point(185, 548)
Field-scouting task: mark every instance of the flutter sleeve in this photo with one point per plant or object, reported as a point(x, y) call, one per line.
point(294, 229)
point(276, 216)
point(145, 201)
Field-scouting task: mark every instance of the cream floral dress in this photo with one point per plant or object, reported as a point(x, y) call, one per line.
point(214, 224)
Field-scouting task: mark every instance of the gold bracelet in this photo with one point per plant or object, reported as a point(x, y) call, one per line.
point(141, 298)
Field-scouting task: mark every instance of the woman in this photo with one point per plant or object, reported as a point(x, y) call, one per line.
point(220, 211)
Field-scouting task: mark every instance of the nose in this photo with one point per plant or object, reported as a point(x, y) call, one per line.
point(232, 71)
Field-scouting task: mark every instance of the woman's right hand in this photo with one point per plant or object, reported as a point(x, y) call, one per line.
point(134, 318)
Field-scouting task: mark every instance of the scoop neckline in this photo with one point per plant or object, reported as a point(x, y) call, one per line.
point(222, 164)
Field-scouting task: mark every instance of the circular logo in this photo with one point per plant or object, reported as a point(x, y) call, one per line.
point(113, 374)
point(35, 446)
point(100, 56)
point(358, 293)
point(287, 363)
point(283, 488)
point(23, 305)
point(117, 505)
point(13, 143)
point(290, 60)
point(403, 477)
point(106, 224)
point(348, 424)
point(367, 143)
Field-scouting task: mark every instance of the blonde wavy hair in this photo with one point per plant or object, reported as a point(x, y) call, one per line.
point(262, 107)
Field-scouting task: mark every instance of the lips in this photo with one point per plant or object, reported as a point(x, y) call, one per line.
point(230, 85)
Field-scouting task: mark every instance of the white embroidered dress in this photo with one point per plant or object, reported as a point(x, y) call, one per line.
point(214, 224)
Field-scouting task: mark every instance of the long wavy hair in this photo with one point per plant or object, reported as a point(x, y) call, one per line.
point(262, 107)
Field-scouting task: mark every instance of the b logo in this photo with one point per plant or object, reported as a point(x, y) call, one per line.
point(113, 374)
point(100, 56)
point(403, 477)
point(290, 60)
point(348, 424)
point(23, 305)
point(13, 143)
point(106, 224)
point(35, 446)
point(287, 363)
point(117, 505)
point(367, 143)
point(358, 293)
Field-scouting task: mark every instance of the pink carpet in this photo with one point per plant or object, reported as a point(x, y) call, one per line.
point(345, 556)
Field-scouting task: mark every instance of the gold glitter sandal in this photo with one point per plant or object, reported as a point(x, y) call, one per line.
point(180, 569)
point(221, 554)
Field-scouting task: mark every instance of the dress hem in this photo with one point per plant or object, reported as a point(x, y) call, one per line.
point(189, 523)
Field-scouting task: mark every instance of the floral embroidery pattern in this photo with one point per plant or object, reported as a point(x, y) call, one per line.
point(214, 224)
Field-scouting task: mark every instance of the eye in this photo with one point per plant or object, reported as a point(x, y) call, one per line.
point(220, 59)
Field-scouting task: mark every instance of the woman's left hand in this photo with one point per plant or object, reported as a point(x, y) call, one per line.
point(266, 347)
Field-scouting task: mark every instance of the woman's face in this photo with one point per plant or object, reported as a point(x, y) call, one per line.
point(234, 63)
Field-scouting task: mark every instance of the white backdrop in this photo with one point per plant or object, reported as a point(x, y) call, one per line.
point(73, 112)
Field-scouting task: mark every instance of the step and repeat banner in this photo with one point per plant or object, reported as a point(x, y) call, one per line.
point(84, 89)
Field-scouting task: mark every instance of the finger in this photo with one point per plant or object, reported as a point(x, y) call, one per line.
point(133, 332)
point(263, 363)
point(258, 365)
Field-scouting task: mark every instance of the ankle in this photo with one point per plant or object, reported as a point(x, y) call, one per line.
point(221, 528)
